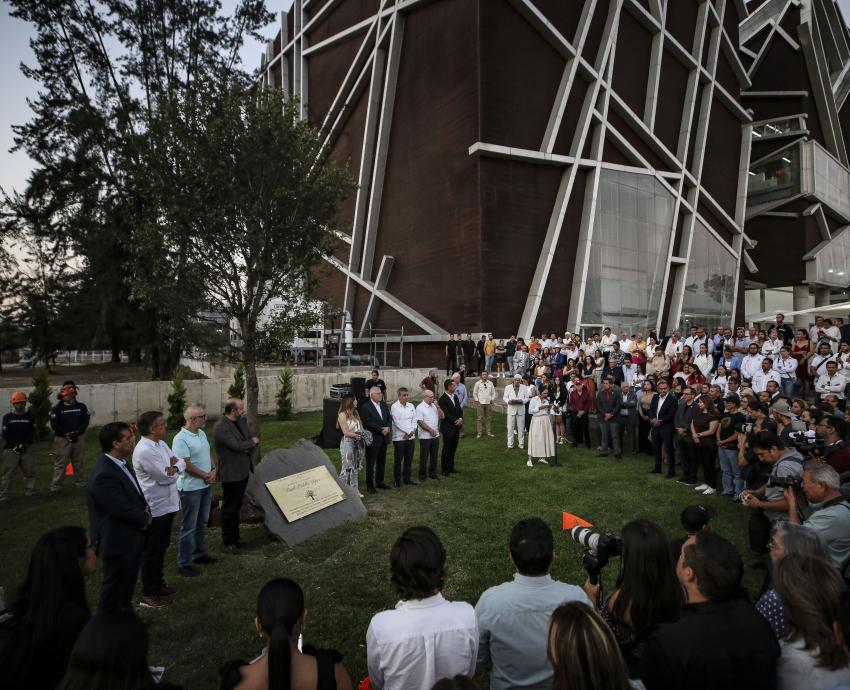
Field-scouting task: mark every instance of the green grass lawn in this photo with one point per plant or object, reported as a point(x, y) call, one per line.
point(344, 572)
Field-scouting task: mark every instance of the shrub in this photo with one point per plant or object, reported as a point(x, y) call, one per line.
point(237, 389)
point(284, 395)
point(176, 400)
point(40, 402)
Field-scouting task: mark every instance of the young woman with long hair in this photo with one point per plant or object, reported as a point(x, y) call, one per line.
point(50, 610)
point(704, 433)
point(583, 651)
point(646, 593)
point(348, 422)
point(285, 664)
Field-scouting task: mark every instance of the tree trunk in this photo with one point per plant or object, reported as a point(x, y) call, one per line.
point(252, 395)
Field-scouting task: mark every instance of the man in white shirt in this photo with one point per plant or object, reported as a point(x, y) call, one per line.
point(842, 359)
point(786, 366)
point(428, 415)
point(606, 342)
point(831, 383)
point(751, 364)
point(484, 393)
point(425, 637)
point(513, 617)
point(404, 428)
point(625, 342)
point(156, 470)
point(767, 373)
point(689, 341)
point(515, 397)
point(832, 334)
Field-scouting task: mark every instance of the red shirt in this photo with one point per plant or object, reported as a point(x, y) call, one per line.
point(579, 401)
point(839, 459)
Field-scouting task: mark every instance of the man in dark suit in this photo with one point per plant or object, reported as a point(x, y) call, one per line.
point(119, 516)
point(235, 447)
point(662, 412)
point(450, 426)
point(375, 416)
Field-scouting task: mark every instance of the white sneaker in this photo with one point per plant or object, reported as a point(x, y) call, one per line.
point(530, 463)
point(479, 436)
point(709, 492)
point(544, 461)
point(521, 447)
point(701, 487)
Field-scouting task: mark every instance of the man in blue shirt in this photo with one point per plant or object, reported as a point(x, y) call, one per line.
point(195, 488)
point(513, 618)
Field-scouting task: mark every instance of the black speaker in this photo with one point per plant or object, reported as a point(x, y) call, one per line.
point(331, 436)
point(358, 387)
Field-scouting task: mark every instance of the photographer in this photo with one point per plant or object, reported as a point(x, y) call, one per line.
point(830, 516)
point(646, 593)
point(787, 469)
point(836, 452)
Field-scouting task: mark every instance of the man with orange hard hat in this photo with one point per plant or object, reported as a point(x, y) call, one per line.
point(18, 431)
point(69, 421)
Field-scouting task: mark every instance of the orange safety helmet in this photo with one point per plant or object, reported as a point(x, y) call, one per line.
point(18, 397)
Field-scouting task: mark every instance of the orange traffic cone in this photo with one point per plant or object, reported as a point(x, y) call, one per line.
point(69, 470)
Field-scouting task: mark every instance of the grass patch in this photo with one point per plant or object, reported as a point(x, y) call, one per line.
point(344, 572)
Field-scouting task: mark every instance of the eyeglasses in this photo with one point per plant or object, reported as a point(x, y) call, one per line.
point(200, 416)
point(773, 545)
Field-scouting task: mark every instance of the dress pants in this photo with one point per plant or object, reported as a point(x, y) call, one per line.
point(687, 459)
point(402, 460)
point(119, 578)
point(663, 438)
point(447, 457)
point(581, 429)
point(428, 450)
point(376, 460)
point(516, 425)
point(157, 539)
point(629, 430)
point(233, 493)
point(484, 418)
point(609, 435)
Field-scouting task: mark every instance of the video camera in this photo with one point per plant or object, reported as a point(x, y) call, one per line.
point(793, 482)
point(807, 442)
point(599, 548)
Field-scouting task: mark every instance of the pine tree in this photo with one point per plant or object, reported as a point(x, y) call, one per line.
point(237, 390)
point(176, 400)
point(284, 395)
point(40, 402)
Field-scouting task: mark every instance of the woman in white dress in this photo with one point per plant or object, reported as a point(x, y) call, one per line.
point(541, 438)
point(348, 422)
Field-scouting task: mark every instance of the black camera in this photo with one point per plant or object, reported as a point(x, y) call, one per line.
point(599, 548)
point(807, 442)
point(794, 481)
point(744, 428)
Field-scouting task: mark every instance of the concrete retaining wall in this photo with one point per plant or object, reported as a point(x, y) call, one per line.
point(108, 402)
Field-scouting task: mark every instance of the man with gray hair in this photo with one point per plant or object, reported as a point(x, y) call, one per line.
point(195, 488)
point(830, 517)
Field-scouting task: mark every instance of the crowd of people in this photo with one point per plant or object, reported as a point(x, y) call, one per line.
point(677, 617)
point(759, 415)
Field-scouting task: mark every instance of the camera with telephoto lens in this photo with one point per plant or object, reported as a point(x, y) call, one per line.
point(599, 548)
point(793, 482)
point(744, 428)
point(807, 442)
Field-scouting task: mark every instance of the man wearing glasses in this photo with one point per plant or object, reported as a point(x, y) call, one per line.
point(195, 488)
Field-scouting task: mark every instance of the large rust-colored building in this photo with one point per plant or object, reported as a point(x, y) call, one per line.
point(536, 165)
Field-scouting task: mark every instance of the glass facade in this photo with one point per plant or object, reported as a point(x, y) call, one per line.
point(631, 240)
point(709, 281)
point(779, 127)
point(775, 178)
point(830, 265)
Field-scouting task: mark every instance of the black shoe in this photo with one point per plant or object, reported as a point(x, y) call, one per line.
point(670, 476)
point(434, 476)
point(397, 484)
point(206, 559)
point(371, 490)
point(655, 471)
point(383, 486)
point(411, 482)
point(232, 549)
point(188, 571)
point(423, 477)
point(618, 455)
